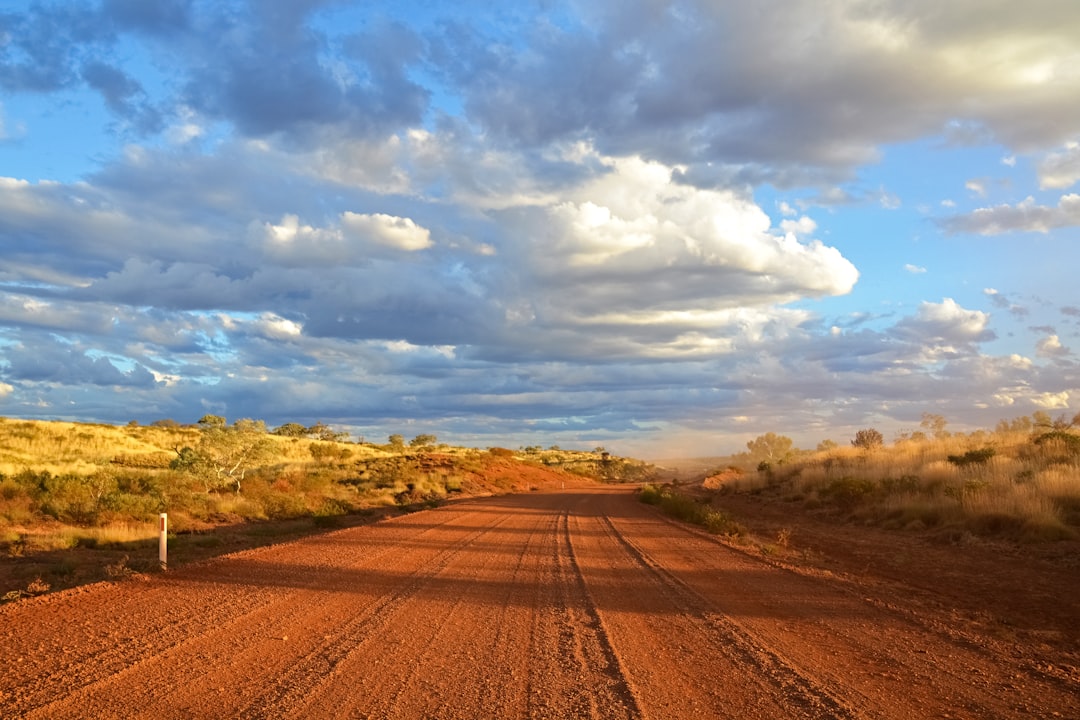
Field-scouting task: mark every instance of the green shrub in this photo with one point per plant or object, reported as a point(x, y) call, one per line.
point(282, 506)
point(972, 457)
point(650, 494)
point(847, 492)
point(687, 509)
point(902, 484)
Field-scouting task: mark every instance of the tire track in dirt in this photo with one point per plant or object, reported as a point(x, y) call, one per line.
point(580, 604)
point(868, 654)
point(83, 671)
point(519, 636)
point(676, 662)
point(605, 691)
point(489, 628)
point(94, 653)
point(756, 659)
point(303, 678)
point(250, 620)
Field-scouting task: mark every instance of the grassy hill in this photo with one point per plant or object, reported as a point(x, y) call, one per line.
point(1019, 485)
point(67, 486)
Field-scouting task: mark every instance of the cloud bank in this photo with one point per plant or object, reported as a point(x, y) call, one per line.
point(546, 222)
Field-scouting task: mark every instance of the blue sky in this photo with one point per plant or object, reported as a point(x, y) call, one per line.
point(661, 227)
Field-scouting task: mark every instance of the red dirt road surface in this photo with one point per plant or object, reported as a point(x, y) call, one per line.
point(575, 604)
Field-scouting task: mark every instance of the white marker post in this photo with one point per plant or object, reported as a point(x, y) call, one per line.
point(163, 542)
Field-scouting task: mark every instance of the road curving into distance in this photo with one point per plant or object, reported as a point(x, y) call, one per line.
point(581, 603)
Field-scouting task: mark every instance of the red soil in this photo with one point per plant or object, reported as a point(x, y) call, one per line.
point(575, 603)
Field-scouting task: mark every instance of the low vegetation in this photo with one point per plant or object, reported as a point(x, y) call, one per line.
point(67, 486)
point(1020, 481)
point(691, 510)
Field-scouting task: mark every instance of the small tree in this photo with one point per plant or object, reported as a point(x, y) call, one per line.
point(291, 430)
point(935, 425)
point(396, 442)
point(423, 441)
point(868, 439)
point(770, 448)
point(322, 431)
point(225, 453)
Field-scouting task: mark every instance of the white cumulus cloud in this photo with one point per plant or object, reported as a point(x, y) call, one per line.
point(389, 230)
point(1052, 400)
point(946, 322)
point(1050, 346)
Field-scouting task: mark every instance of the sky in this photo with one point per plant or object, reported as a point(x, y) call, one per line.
point(664, 228)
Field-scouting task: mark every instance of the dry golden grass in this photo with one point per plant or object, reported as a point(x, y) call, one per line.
point(1002, 484)
point(83, 448)
point(66, 484)
point(62, 537)
point(64, 447)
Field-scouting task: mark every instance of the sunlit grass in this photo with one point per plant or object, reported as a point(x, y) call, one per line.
point(65, 537)
point(1003, 484)
point(65, 485)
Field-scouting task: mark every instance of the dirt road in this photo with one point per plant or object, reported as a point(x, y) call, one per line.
point(575, 604)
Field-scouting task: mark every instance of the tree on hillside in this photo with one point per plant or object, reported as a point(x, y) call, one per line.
point(211, 421)
point(868, 439)
point(291, 429)
point(422, 441)
point(396, 442)
point(1043, 421)
point(322, 431)
point(1021, 424)
point(770, 448)
point(935, 425)
point(225, 453)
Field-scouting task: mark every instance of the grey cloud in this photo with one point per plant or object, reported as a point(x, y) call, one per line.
point(587, 79)
point(194, 286)
point(1051, 347)
point(56, 363)
point(161, 17)
point(414, 303)
point(1027, 216)
point(123, 95)
point(259, 66)
point(54, 47)
point(26, 311)
point(116, 86)
point(997, 299)
point(697, 83)
point(1060, 169)
point(266, 76)
point(44, 46)
point(784, 381)
point(265, 93)
point(548, 308)
point(733, 83)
